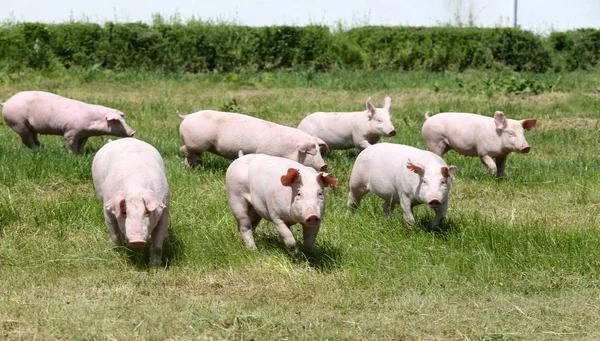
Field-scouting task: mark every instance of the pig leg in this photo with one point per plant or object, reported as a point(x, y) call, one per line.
point(81, 143)
point(27, 134)
point(255, 218)
point(407, 210)
point(501, 164)
point(388, 207)
point(355, 196)
point(310, 234)
point(286, 234)
point(241, 210)
point(113, 228)
point(37, 141)
point(158, 237)
point(363, 144)
point(439, 148)
point(489, 163)
point(72, 142)
point(440, 214)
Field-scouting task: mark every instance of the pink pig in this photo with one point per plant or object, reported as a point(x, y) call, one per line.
point(345, 130)
point(226, 134)
point(402, 175)
point(30, 113)
point(130, 179)
point(279, 190)
point(477, 135)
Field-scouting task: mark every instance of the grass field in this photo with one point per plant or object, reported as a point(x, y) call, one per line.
point(517, 258)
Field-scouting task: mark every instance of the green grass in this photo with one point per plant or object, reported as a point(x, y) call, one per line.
point(517, 258)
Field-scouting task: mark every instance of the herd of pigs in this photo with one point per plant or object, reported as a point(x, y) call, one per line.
point(278, 173)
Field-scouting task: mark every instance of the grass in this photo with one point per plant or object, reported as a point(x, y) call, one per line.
point(516, 259)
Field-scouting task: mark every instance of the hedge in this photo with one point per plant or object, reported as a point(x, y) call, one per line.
point(204, 47)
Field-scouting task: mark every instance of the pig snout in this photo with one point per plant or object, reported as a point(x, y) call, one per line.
point(525, 149)
point(323, 167)
point(434, 203)
point(138, 243)
point(312, 220)
point(391, 133)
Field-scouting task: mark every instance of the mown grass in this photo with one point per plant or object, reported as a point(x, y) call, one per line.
point(517, 258)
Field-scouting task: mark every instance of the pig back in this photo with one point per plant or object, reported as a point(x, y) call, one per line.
point(129, 160)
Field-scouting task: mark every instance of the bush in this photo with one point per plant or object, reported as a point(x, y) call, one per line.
point(198, 46)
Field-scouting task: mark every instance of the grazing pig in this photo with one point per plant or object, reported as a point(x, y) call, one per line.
point(30, 113)
point(345, 130)
point(477, 135)
point(279, 190)
point(129, 177)
point(402, 174)
point(226, 134)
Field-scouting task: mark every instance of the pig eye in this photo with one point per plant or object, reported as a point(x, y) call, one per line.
point(298, 195)
point(512, 134)
point(320, 194)
point(443, 181)
point(378, 119)
point(424, 180)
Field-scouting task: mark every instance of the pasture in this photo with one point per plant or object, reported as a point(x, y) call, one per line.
point(517, 258)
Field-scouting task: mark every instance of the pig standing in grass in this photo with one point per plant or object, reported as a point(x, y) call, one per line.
point(477, 135)
point(345, 130)
point(402, 174)
point(279, 190)
point(226, 134)
point(129, 177)
point(30, 113)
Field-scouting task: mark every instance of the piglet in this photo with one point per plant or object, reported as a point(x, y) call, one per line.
point(226, 134)
point(30, 113)
point(130, 179)
point(345, 130)
point(402, 174)
point(279, 190)
point(477, 135)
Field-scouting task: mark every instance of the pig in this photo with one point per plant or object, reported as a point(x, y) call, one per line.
point(279, 190)
point(30, 113)
point(130, 179)
point(226, 134)
point(402, 174)
point(345, 130)
point(477, 135)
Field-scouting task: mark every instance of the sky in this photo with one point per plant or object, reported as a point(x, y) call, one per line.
point(536, 15)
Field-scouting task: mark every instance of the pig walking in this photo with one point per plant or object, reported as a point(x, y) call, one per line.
point(129, 177)
point(279, 190)
point(402, 174)
point(226, 134)
point(345, 130)
point(29, 113)
point(477, 135)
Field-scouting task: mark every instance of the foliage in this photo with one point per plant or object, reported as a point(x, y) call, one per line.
point(197, 46)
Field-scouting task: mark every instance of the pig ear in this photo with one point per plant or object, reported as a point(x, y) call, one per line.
point(370, 108)
point(326, 180)
point(113, 116)
point(499, 120)
point(151, 201)
point(448, 172)
point(117, 204)
point(415, 167)
point(528, 124)
point(323, 145)
point(292, 176)
point(387, 102)
point(307, 147)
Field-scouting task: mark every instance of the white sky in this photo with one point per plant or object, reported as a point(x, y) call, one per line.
point(536, 15)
